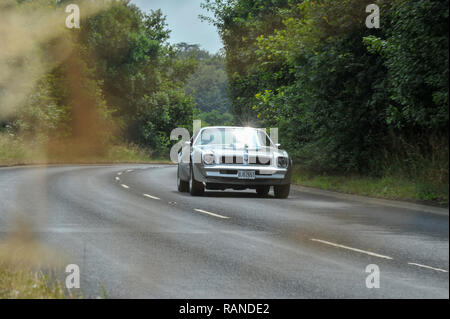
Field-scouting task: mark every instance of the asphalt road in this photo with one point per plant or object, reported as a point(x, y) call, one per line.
point(130, 231)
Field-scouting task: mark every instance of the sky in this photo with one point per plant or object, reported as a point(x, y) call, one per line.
point(182, 18)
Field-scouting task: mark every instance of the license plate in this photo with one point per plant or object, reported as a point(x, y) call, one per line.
point(246, 174)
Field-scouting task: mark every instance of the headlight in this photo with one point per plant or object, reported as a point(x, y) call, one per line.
point(208, 158)
point(283, 162)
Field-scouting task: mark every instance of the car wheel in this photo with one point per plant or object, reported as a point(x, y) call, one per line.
point(183, 186)
point(282, 191)
point(196, 188)
point(262, 191)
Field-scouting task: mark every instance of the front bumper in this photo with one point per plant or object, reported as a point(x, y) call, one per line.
point(226, 174)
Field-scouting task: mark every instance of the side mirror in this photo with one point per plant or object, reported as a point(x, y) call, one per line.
point(278, 145)
point(187, 143)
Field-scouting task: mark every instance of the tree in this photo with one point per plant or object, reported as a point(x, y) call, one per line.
point(305, 67)
point(143, 77)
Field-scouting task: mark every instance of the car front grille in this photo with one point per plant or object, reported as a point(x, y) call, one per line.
point(232, 160)
point(252, 160)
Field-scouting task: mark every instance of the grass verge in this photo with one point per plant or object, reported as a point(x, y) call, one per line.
point(387, 187)
point(27, 284)
point(15, 151)
point(22, 259)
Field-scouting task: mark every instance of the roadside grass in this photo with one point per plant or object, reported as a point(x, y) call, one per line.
point(31, 270)
point(387, 187)
point(14, 151)
point(22, 258)
point(17, 151)
point(133, 154)
point(28, 284)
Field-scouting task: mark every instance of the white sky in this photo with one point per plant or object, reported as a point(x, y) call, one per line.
point(182, 18)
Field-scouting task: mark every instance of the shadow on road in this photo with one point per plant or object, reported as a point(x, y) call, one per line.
point(226, 194)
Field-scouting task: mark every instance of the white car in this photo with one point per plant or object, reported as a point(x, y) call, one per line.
point(219, 158)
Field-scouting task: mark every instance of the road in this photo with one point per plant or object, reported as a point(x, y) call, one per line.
point(131, 232)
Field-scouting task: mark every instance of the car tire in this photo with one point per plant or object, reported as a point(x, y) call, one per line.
point(196, 188)
point(282, 191)
point(262, 191)
point(183, 186)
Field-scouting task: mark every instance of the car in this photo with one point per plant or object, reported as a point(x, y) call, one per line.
point(239, 158)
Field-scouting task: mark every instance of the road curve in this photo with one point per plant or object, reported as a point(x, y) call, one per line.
point(131, 232)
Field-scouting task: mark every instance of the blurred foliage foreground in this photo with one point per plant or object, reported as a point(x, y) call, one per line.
point(73, 94)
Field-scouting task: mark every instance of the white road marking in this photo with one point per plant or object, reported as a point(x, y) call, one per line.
point(117, 179)
point(125, 186)
point(353, 249)
point(209, 213)
point(129, 170)
point(428, 267)
point(120, 173)
point(152, 197)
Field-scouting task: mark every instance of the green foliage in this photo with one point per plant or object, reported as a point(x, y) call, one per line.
point(415, 51)
point(239, 24)
point(216, 118)
point(143, 77)
point(158, 115)
point(43, 112)
point(208, 84)
point(345, 98)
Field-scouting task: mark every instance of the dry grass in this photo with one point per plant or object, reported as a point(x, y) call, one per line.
point(28, 284)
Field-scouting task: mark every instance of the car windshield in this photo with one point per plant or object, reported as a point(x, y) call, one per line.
point(234, 137)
